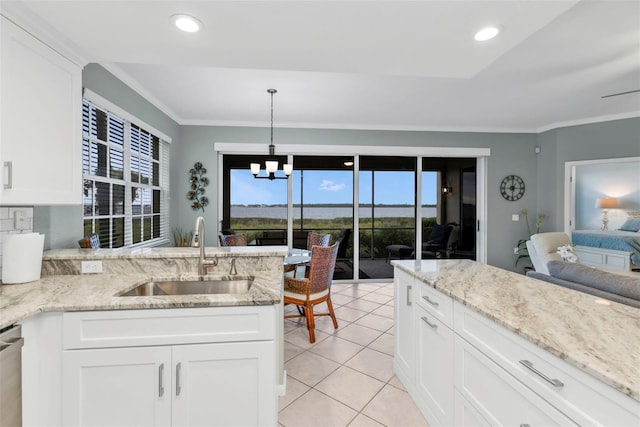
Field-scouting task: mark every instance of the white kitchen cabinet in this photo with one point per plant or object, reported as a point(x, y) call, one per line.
point(404, 355)
point(194, 385)
point(187, 369)
point(117, 387)
point(434, 368)
point(224, 384)
point(498, 396)
point(40, 122)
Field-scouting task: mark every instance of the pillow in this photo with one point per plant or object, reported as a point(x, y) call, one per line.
point(438, 233)
point(631, 224)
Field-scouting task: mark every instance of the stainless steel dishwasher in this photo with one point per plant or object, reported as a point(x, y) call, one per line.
point(11, 342)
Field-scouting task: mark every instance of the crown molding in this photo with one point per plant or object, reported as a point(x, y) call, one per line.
point(590, 120)
point(22, 16)
point(137, 87)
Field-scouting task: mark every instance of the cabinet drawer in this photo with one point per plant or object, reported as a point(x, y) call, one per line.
point(508, 402)
point(436, 303)
point(574, 392)
point(125, 328)
point(434, 368)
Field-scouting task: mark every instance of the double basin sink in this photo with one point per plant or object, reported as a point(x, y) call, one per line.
point(236, 285)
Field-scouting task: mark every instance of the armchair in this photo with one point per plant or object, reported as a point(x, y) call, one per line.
point(543, 247)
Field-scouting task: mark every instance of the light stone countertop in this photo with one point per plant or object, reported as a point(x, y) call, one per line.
point(162, 252)
point(97, 292)
point(599, 337)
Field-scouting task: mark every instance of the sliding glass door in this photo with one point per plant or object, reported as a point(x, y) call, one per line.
point(323, 203)
point(386, 212)
point(372, 204)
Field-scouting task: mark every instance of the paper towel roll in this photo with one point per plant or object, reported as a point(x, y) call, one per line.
point(22, 257)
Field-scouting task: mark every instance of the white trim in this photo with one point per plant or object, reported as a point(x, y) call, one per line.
point(570, 186)
point(93, 97)
point(590, 120)
point(137, 87)
point(356, 126)
point(33, 24)
point(295, 149)
point(481, 210)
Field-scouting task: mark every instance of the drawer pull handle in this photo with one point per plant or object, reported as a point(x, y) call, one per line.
point(430, 301)
point(433, 325)
point(161, 380)
point(409, 294)
point(9, 183)
point(554, 382)
point(178, 379)
point(525, 425)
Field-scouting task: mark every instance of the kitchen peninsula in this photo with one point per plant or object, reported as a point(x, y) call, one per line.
point(478, 345)
point(92, 355)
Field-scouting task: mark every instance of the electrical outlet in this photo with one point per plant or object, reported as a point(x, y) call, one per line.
point(20, 220)
point(91, 267)
point(515, 217)
point(515, 250)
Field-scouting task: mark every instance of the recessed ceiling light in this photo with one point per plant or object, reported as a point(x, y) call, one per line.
point(186, 23)
point(486, 34)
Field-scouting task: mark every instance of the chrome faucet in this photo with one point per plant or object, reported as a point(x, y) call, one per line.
point(198, 241)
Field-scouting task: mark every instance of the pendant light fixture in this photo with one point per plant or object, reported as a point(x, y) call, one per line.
point(271, 163)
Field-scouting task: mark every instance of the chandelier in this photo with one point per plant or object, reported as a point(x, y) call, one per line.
point(271, 163)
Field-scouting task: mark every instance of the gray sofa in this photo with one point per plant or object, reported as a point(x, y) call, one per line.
point(614, 287)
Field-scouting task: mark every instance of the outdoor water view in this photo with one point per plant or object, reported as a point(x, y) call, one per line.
point(323, 203)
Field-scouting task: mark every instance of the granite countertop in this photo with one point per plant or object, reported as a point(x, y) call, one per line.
point(97, 292)
point(163, 252)
point(597, 336)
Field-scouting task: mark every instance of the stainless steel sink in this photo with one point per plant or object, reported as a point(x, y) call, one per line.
point(239, 285)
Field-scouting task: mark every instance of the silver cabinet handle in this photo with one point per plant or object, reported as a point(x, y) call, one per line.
point(161, 380)
point(9, 183)
point(433, 325)
point(525, 425)
point(554, 382)
point(409, 294)
point(178, 366)
point(430, 301)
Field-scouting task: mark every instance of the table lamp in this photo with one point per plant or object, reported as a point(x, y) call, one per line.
point(605, 204)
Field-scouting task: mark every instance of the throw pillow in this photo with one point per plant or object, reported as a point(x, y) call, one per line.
point(631, 224)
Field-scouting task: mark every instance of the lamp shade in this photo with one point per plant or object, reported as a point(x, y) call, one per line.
point(607, 203)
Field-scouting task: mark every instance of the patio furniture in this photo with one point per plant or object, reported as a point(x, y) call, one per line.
point(233, 239)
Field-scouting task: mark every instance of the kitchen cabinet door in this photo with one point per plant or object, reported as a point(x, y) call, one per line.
point(404, 351)
point(225, 384)
point(434, 368)
point(117, 387)
point(40, 122)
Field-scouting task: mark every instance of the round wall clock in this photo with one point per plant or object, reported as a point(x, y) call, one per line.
point(512, 188)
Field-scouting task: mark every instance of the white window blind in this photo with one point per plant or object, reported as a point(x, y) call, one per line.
point(126, 180)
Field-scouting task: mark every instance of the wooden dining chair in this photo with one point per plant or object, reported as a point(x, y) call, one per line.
point(234, 240)
point(314, 239)
point(314, 289)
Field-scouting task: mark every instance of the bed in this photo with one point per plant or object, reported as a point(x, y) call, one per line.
point(615, 249)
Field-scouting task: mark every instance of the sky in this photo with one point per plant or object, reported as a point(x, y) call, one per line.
point(322, 187)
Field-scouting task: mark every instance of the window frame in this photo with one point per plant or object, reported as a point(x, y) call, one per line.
point(159, 192)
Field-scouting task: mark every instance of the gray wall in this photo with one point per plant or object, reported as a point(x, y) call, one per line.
point(62, 225)
point(605, 140)
point(510, 154)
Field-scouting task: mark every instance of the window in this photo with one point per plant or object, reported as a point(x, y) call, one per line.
point(125, 172)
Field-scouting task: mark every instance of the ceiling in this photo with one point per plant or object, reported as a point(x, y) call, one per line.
point(407, 65)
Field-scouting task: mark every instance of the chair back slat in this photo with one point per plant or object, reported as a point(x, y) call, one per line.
point(323, 263)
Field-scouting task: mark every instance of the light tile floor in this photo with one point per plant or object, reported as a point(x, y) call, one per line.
point(346, 377)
